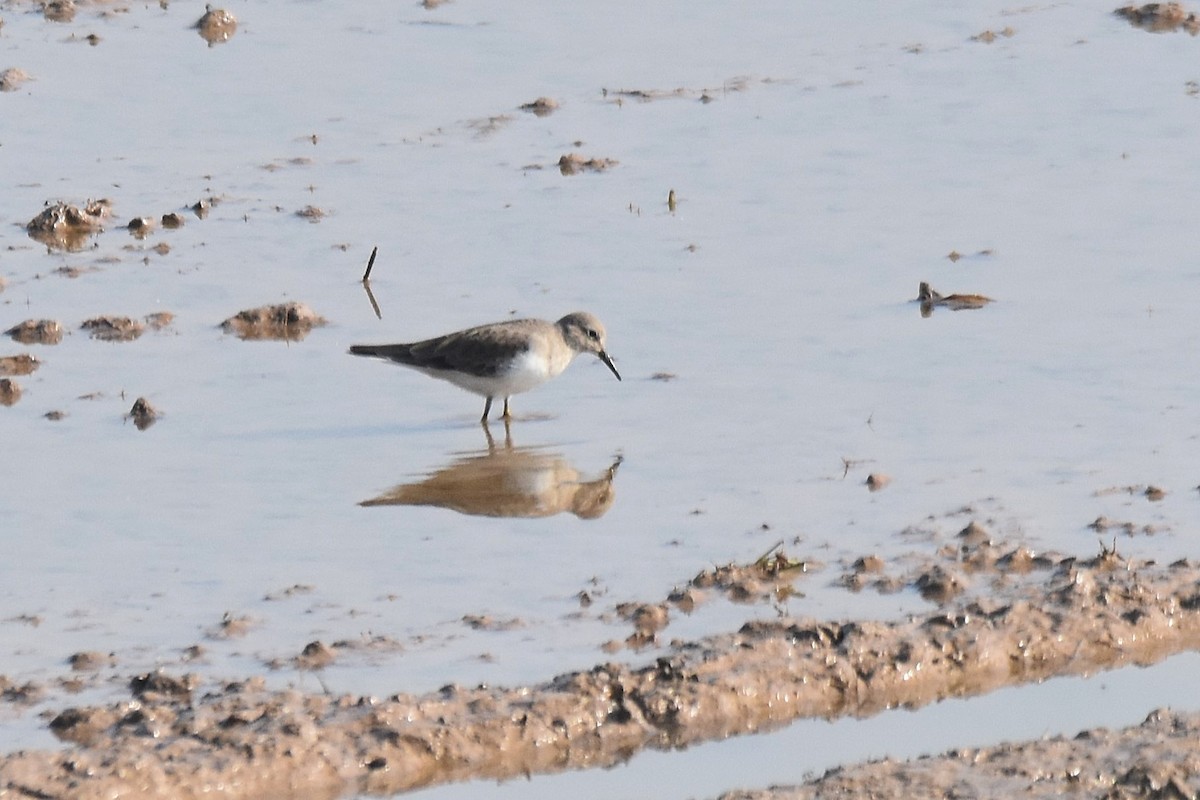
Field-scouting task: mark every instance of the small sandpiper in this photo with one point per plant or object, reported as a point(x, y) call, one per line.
point(501, 359)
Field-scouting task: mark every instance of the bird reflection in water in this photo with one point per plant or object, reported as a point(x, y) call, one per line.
point(508, 481)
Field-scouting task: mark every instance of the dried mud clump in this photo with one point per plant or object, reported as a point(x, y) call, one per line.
point(143, 414)
point(66, 227)
point(12, 78)
point(287, 321)
point(573, 164)
point(542, 107)
point(1161, 17)
point(311, 213)
point(10, 392)
point(159, 320)
point(36, 331)
point(216, 26)
point(989, 36)
point(59, 10)
point(90, 661)
point(172, 220)
point(114, 329)
point(23, 364)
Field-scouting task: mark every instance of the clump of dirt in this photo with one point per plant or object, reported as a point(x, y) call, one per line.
point(36, 331)
point(63, 226)
point(315, 655)
point(1161, 17)
point(59, 10)
point(159, 320)
point(10, 392)
point(216, 26)
point(12, 78)
point(573, 164)
point(542, 107)
point(90, 661)
point(287, 321)
point(929, 300)
point(172, 220)
point(989, 36)
point(114, 329)
point(23, 364)
point(143, 414)
point(311, 213)
point(140, 227)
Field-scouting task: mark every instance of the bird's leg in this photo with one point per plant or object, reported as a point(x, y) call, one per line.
point(487, 409)
point(507, 415)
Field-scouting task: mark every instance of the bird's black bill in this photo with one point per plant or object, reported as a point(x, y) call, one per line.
point(608, 363)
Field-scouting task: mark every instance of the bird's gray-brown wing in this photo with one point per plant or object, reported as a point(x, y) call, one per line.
point(477, 351)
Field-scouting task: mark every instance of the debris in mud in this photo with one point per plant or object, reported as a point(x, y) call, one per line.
point(665, 377)
point(769, 578)
point(114, 329)
point(1161, 17)
point(21, 694)
point(542, 107)
point(1103, 524)
point(956, 256)
point(202, 206)
point(291, 591)
point(216, 26)
point(877, 481)
point(161, 687)
point(140, 226)
point(311, 213)
point(36, 331)
point(66, 227)
point(23, 364)
point(158, 320)
point(172, 220)
point(573, 164)
point(315, 655)
point(987, 37)
point(429, 5)
point(10, 392)
point(929, 300)
point(55, 416)
point(485, 622)
point(12, 78)
point(90, 661)
point(231, 627)
point(143, 414)
point(83, 726)
point(287, 321)
point(59, 10)
point(939, 585)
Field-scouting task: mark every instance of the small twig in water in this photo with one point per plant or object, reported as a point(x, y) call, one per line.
point(370, 264)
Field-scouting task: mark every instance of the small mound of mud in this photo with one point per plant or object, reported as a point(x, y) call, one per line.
point(159, 320)
point(312, 213)
point(143, 414)
point(573, 164)
point(286, 321)
point(542, 107)
point(1161, 18)
point(12, 78)
point(59, 10)
point(23, 364)
point(114, 329)
point(216, 26)
point(66, 227)
point(10, 392)
point(140, 227)
point(36, 331)
point(172, 220)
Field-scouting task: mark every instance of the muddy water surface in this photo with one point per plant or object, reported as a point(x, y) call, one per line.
point(824, 163)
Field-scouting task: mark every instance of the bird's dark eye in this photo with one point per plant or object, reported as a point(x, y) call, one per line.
point(592, 334)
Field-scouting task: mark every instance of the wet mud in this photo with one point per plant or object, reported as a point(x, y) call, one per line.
point(284, 322)
point(1156, 759)
point(1161, 17)
point(1015, 617)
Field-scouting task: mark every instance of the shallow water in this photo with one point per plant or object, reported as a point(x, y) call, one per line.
point(842, 156)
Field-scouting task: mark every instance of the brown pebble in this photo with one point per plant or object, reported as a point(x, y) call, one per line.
point(140, 226)
point(172, 220)
point(216, 26)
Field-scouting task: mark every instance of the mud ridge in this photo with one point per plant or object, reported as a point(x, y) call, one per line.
point(244, 741)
